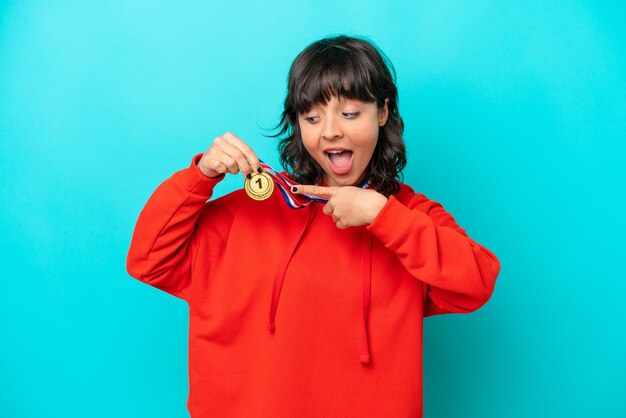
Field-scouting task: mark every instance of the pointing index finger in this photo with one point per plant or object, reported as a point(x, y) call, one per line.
point(320, 191)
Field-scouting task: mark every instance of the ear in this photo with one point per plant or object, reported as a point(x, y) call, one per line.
point(383, 113)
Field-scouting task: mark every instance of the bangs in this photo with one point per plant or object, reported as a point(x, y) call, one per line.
point(335, 73)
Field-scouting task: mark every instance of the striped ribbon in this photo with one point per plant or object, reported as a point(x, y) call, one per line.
point(296, 201)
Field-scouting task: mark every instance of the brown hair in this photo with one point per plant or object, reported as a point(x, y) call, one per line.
point(350, 67)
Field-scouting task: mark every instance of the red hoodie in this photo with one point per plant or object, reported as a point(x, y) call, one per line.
point(290, 316)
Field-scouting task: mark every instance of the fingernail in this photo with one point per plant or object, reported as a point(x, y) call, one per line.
point(259, 170)
point(294, 189)
point(248, 176)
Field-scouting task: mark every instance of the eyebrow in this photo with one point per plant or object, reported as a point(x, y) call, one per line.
point(343, 102)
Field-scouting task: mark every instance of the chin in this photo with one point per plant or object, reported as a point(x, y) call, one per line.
point(347, 181)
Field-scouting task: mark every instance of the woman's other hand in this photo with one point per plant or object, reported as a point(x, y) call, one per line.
point(229, 153)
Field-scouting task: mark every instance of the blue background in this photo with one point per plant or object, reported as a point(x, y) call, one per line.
point(515, 119)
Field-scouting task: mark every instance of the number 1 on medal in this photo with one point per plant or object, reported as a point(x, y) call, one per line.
point(264, 189)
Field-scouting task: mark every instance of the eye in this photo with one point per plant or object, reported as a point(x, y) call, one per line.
point(310, 119)
point(351, 115)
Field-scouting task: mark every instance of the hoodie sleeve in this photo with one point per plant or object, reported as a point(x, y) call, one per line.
point(458, 274)
point(162, 245)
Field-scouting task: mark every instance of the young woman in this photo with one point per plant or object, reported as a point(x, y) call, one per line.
point(310, 301)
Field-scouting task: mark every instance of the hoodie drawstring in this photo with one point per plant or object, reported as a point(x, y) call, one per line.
point(366, 273)
point(282, 268)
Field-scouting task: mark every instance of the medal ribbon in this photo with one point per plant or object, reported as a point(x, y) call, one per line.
point(296, 201)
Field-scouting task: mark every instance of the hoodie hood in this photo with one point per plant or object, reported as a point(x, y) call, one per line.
point(366, 269)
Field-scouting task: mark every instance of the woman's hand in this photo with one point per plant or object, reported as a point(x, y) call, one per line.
point(348, 205)
point(230, 154)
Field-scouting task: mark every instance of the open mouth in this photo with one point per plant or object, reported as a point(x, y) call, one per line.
point(340, 161)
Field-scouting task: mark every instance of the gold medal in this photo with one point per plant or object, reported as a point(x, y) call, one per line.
point(260, 186)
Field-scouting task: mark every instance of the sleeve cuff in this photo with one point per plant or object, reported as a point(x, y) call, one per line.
point(194, 180)
point(392, 222)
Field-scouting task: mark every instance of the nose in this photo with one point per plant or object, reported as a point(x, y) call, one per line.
point(332, 129)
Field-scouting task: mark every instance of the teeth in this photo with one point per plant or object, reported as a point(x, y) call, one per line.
point(335, 152)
